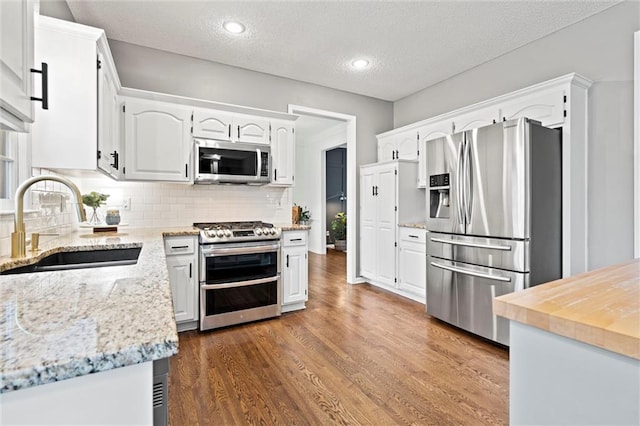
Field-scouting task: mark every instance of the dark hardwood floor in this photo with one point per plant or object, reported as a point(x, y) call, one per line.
point(356, 355)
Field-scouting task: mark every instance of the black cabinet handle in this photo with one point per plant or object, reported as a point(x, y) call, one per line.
point(115, 157)
point(275, 174)
point(190, 270)
point(376, 190)
point(287, 261)
point(179, 247)
point(413, 236)
point(186, 171)
point(238, 132)
point(373, 190)
point(229, 131)
point(44, 72)
point(393, 155)
point(296, 239)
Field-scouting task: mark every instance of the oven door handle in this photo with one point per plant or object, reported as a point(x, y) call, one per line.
point(238, 283)
point(219, 251)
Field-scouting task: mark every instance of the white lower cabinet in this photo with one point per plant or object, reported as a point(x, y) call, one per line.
point(182, 265)
point(412, 263)
point(294, 270)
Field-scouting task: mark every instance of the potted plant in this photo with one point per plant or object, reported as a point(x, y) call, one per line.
point(305, 216)
point(339, 228)
point(94, 200)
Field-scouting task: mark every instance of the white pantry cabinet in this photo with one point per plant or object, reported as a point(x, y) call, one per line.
point(83, 86)
point(388, 195)
point(182, 265)
point(230, 127)
point(412, 263)
point(157, 140)
point(294, 270)
point(283, 154)
point(16, 62)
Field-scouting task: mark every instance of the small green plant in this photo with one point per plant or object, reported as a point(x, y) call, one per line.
point(305, 215)
point(339, 226)
point(94, 199)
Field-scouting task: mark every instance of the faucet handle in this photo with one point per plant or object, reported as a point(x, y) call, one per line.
point(35, 241)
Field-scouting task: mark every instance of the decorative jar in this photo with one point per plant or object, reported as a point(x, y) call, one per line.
point(113, 217)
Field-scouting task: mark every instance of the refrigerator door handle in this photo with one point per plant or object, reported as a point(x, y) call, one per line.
point(459, 175)
point(468, 193)
point(467, 244)
point(472, 273)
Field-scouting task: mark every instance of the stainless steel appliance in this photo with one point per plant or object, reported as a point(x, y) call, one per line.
point(494, 220)
point(239, 273)
point(231, 162)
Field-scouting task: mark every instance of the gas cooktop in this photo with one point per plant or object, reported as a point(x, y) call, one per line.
point(227, 232)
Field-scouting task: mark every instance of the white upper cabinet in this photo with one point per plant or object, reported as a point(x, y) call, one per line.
point(109, 152)
point(229, 127)
point(474, 119)
point(282, 153)
point(16, 62)
point(157, 140)
point(251, 129)
point(386, 148)
point(212, 124)
point(548, 107)
point(402, 146)
point(80, 125)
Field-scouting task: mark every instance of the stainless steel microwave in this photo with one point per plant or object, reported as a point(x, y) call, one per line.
point(231, 162)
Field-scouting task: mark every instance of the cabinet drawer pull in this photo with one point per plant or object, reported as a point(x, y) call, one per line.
point(296, 239)
point(179, 247)
point(287, 261)
point(413, 236)
point(44, 72)
point(190, 270)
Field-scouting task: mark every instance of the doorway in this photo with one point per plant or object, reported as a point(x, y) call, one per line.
point(348, 130)
point(336, 187)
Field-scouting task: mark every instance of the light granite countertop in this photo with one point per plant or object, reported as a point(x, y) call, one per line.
point(294, 227)
point(64, 324)
point(413, 225)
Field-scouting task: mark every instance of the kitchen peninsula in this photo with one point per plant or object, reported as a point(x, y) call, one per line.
point(61, 327)
point(575, 348)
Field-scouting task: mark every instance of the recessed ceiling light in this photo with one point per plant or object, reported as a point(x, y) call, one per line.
point(360, 64)
point(233, 27)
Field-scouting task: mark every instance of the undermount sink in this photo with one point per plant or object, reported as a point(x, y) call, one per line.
point(80, 259)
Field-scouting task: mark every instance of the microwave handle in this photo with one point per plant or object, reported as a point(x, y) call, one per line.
point(259, 162)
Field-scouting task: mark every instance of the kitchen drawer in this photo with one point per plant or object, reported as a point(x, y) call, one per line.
point(179, 245)
point(294, 238)
point(413, 235)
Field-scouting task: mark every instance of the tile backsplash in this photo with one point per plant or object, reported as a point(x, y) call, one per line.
point(172, 204)
point(150, 204)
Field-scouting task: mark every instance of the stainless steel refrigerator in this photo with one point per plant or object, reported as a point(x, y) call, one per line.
point(494, 216)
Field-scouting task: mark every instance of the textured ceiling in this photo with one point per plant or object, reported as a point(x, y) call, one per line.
point(411, 45)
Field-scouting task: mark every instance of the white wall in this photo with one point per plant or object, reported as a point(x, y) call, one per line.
point(310, 191)
point(600, 48)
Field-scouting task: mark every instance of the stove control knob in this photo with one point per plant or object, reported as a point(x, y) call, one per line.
point(220, 233)
point(265, 231)
point(272, 231)
point(258, 231)
point(228, 233)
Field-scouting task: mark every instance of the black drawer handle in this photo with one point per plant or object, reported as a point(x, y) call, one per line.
point(414, 236)
point(44, 72)
point(179, 247)
point(296, 239)
point(190, 270)
point(287, 261)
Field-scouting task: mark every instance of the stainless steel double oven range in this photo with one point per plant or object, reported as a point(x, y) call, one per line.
point(239, 273)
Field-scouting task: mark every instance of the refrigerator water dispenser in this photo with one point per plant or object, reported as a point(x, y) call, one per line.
point(439, 196)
